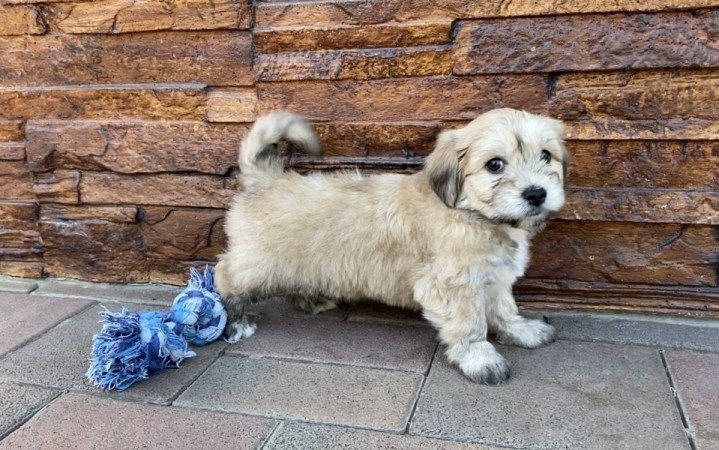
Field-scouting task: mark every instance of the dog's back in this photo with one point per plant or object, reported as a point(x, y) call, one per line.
point(313, 234)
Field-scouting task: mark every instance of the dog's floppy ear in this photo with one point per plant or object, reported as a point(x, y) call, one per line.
point(443, 168)
point(558, 126)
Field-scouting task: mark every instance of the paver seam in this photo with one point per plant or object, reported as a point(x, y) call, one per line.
point(187, 385)
point(412, 410)
point(285, 418)
point(688, 430)
point(31, 413)
point(283, 423)
point(33, 338)
point(323, 363)
point(270, 435)
point(110, 299)
point(637, 344)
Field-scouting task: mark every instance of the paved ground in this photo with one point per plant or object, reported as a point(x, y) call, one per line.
point(357, 377)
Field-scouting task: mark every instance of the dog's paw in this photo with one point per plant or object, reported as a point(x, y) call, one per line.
point(527, 334)
point(483, 364)
point(235, 331)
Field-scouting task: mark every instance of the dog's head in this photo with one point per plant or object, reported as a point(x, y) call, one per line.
point(506, 165)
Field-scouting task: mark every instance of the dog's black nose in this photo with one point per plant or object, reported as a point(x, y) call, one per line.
point(534, 195)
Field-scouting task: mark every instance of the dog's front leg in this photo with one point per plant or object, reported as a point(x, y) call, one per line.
point(457, 310)
point(511, 328)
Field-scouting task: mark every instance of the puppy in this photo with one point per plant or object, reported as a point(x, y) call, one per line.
point(449, 240)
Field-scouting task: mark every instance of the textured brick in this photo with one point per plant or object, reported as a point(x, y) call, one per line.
point(118, 214)
point(404, 139)
point(337, 12)
point(644, 164)
point(292, 435)
point(19, 235)
point(218, 58)
point(87, 249)
point(105, 424)
point(60, 186)
point(367, 398)
point(694, 376)
point(125, 16)
point(25, 269)
point(12, 151)
point(388, 35)
point(232, 105)
point(587, 42)
point(355, 64)
point(651, 95)
point(25, 316)
point(365, 165)
point(15, 181)
point(359, 344)
point(11, 130)
point(172, 102)
point(685, 128)
point(18, 20)
point(432, 98)
point(664, 332)
point(127, 267)
point(661, 254)
point(17, 403)
point(642, 205)
point(569, 394)
point(134, 147)
point(133, 293)
point(45, 362)
point(161, 189)
point(182, 233)
point(99, 250)
point(16, 213)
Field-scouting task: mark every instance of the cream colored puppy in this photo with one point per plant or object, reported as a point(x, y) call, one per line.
point(449, 240)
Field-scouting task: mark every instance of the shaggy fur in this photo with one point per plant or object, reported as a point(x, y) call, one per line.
point(449, 241)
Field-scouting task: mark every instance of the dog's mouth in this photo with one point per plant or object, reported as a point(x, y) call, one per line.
point(534, 211)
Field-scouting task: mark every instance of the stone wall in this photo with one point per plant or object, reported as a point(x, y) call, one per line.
point(120, 122)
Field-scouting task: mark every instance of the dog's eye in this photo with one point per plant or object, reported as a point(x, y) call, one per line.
point(546, 156)
point(495, 165)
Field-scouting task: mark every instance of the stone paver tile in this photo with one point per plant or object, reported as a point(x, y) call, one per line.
point(293, 435)
point(340, 395)
point(18, 285)
point(61, 356)
point(695, 378)
point(568, 395)
point(83, 421)
point(17, 403)
point(378, 312)
point(281, 307)
point(361, 344)
point(155, 294)
point(24, 316)
point(676, 333)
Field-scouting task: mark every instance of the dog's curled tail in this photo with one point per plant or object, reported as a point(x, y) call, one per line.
point(260, 161)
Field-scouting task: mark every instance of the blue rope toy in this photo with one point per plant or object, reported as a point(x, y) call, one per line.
point(131, 346)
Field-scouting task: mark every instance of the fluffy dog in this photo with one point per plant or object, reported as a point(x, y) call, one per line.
point(449, 240)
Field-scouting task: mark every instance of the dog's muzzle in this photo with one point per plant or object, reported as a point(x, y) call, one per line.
point(534, 195)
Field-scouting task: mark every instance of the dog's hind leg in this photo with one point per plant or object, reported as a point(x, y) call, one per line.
point(311, 304)
point(238, 324)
